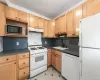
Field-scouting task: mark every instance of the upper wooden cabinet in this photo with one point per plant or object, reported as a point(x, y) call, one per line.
point(60, 25)
point(40, 22)
point(33, 21)
point(91, 7)
point(45, 34)
point(2, 19)
point(15, 14)
point(70, 23)
point(23, 16)
point(77, 18)
point(49, 28)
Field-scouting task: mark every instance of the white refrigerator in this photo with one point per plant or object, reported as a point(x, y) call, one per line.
point(90, 48)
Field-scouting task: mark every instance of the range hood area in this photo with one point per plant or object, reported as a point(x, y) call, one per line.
point(30, 29)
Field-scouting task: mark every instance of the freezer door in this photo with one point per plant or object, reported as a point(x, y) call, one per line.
point(90, 32)
point(90, 64)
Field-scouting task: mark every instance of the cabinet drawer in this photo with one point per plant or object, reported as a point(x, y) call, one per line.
point(5, 59)
point(24, 73)
point(24, 63)
point(24, 55)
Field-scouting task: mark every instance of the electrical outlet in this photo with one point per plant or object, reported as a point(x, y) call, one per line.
point(17, 43)
point(46, 42)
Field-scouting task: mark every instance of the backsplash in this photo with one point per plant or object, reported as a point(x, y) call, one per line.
point(52, 42)
point(13, 43)
point(1, 44)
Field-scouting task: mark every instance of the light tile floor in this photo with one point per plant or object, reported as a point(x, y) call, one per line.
point(50, 74)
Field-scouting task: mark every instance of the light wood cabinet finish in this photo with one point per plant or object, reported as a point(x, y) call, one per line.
point(91, 7)
point(23, 73)
point(51, 29)
point(33, 21)
point(6, 59)
point(2, 19)
point(60, 25)
point(45, 34)
point(58, 63)
point(23, 63)
point(56, 59)
point(77, 18)
point(40, 23)
point(24, 55)
point(14, 14)
point(8, 71)
point(70, 23)
point(49, 59)
point(11, 13)
point(23, 16)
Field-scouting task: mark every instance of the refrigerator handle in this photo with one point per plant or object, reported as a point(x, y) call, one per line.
point(80, 61)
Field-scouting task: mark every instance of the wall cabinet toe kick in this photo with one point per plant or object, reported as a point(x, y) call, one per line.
point(14, 67)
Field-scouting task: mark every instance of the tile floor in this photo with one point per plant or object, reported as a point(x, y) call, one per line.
point(50, 74)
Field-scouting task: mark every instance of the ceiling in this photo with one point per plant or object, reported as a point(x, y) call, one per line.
point(48, 8)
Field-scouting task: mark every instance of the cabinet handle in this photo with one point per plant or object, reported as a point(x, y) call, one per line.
point(73, 34)
point(15, 63)
point(19, 18)
point(7, 59)
point(24, 63)
point(24, 73)
point(23, 55)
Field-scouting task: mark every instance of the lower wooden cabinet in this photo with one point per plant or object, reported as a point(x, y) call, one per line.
point(8, 71)
point(49, 58)
point(14, 67)
point(56, 60)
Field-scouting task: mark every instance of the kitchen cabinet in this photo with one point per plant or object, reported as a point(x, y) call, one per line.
point(40, 23)
point(45, 34)
point(2, 19)
point(91, 7)
point(8, 71)
point(49, 57)
point(23, 16)
point(51, 29)
point(14, 14)
point(61, 25)
point(33, 21)
point(56, 59)
point(23, 66)
point(77, 18)
point(70, 67)
point(70, 24)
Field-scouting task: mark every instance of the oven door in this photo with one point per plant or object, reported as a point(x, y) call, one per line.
point(38, 60)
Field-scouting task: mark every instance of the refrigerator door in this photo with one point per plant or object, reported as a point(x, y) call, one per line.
point(90, 32)
point(90, 66)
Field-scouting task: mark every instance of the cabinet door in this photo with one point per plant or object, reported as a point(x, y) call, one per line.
point(70, 24)
point(63, 24)
point(57, 26)
point(51, 28)
point(91, 7)
point(2, 20)
point(40, 22)
point(58, 63)
point(45, 34)
point(11, 13)
point(33, 21)
point(8, 71)
point(53, 60)
point(77, 17)
point(23, 16)
point(49, 59)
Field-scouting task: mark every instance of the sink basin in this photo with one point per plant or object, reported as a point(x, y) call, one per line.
point(60, 48)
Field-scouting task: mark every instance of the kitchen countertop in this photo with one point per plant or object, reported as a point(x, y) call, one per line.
point(13, 52)
point(72, 51)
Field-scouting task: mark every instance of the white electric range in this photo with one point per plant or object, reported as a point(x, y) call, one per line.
point(38, 54)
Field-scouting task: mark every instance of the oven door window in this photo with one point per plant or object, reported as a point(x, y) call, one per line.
point(39, 58)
